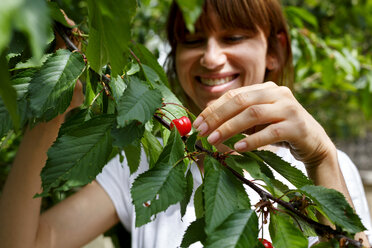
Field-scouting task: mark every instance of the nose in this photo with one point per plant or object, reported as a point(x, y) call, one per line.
point(213, 56)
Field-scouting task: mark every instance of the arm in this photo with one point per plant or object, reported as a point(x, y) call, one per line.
point(270, 114)
point(71, 223)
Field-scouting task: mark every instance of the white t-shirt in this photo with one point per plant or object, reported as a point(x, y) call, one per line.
point(168, 228)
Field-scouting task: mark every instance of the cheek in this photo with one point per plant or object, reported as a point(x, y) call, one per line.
point(184, 61)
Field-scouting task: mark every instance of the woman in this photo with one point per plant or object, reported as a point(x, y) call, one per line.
point(223, 69)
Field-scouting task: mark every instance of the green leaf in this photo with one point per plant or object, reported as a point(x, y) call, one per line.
point(284, 234)
point(32, 18)
point(52, 87)
point(330, 244)
point(220, 194)
point(161, 186)
point(169, 97)
point(77, 156)
point(191, 10)
point(189, 188)
point(8, 93)
point(302, 14)
point(152, 147)
point(133, 155)
point(240, 229)
point(199, 202)
point(138, 102)
point(125, 136)
point(148, 59)
point(109, 33)
point(56, 14)
point(252, 167)
point(335, 207)
point(118, 86)
point(191, 141)
point(194, 233)
point(292, 174)
point(7, 12)
point(230, 142)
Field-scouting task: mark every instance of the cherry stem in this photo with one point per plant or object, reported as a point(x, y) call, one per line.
point(171, 103)
point(163, 115)
point(169, 112)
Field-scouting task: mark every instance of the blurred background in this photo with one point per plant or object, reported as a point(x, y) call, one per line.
point(332, 49)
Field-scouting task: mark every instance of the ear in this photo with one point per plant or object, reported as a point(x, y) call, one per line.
point(271, 62)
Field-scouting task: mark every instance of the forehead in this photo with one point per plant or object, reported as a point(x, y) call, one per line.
point(225, 15)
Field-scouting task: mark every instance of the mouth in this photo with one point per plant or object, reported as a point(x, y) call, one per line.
point(214, 81)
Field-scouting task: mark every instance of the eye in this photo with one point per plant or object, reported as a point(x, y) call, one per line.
point(193, 40)
point(234, 38)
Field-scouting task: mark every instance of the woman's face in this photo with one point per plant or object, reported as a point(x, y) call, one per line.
point(209, 63)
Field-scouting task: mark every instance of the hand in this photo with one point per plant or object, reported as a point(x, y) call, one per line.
point(268, 114)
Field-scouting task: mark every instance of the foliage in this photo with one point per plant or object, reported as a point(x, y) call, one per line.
point(126, 99)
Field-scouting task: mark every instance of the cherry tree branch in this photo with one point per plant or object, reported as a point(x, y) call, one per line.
point(321, 229)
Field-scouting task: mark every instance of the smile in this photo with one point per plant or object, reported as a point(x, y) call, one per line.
point(215, 81)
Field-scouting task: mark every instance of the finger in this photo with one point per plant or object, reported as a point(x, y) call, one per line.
point(274, 133)
point(236, 105)
point(252, 117)
point(227, 97)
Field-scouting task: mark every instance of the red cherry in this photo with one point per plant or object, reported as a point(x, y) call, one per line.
point(182, 124)
point(266, 243)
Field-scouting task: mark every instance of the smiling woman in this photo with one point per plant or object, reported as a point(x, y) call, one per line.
point(235, 69)
point(248, 38)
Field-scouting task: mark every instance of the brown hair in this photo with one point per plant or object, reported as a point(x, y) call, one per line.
point(266, 15)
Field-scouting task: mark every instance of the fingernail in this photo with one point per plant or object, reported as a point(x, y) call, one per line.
point(215, 136)
point(198, 121)
point(240, 145)
point(203, 128)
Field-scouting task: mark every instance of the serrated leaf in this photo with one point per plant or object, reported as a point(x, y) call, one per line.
point(74, 122)
point(240, 229)
point(77, 156)
point(109, 33)
point(125, 136)
point(252, 167)
point(334, 205)
point(20, 83)
point(52, 87)
point(284, 234)
point(169, 97)
point(194, 233)
point(199, 202)
point(133, 155)
point(161, 186)
point(191, 141)
point(8, 93)
point(152, 147)
point(189, 188)
point(292, 174)
point(118, 86)
point(230, 142)
point(147, 58)
point(219, 194)
point(138, 102)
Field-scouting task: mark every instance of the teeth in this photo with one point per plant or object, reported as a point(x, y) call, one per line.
point(215, 81)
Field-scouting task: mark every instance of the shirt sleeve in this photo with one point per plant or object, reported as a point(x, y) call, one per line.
point(355, 187)
point(115, 180)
